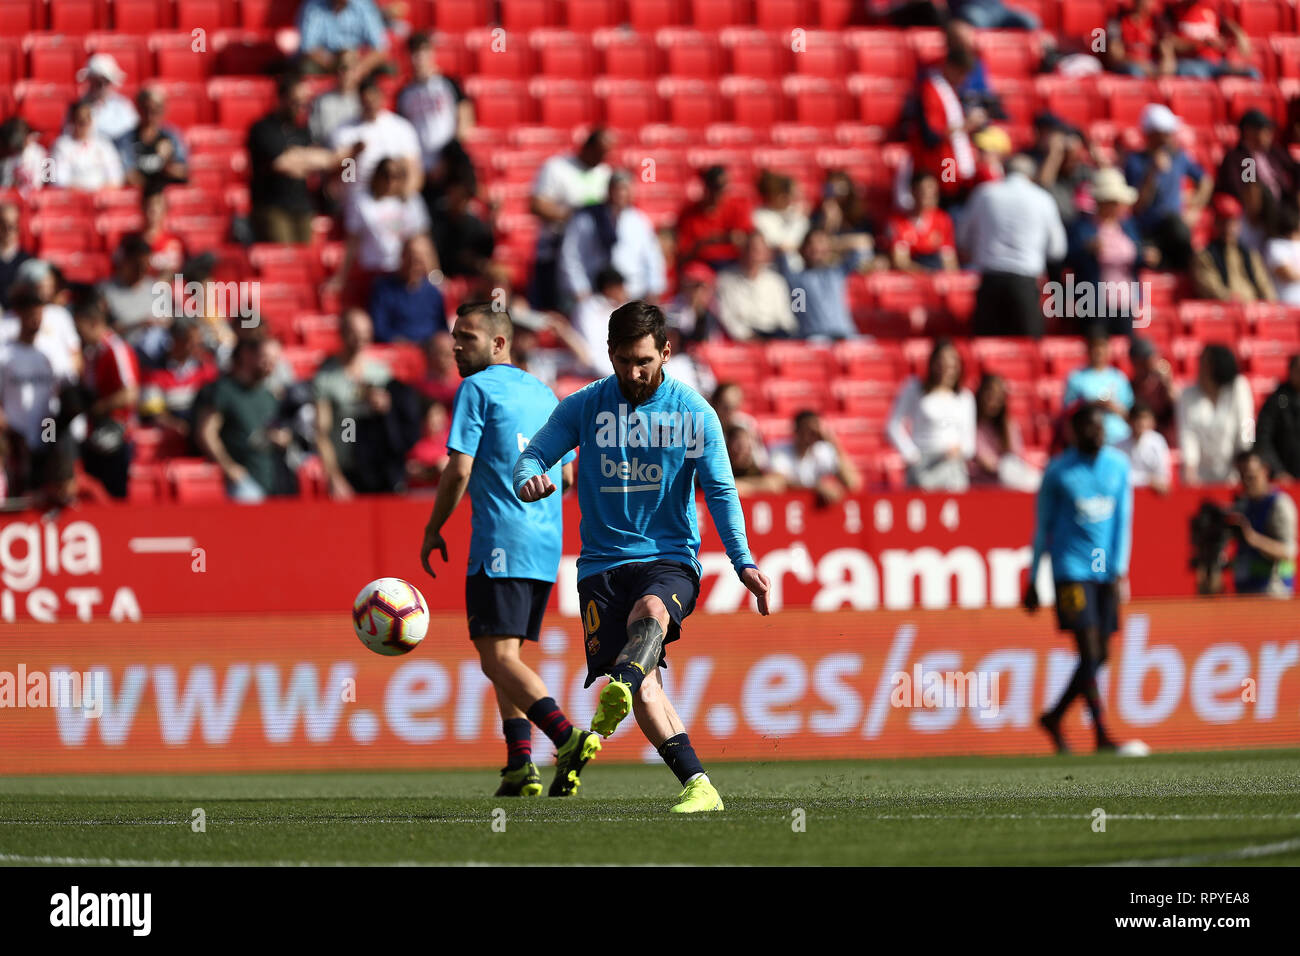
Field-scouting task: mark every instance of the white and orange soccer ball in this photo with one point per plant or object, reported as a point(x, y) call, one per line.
point(390, 616)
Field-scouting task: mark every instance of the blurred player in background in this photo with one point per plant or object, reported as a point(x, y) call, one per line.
point(514, 551)
point(644, 438)
point(1085, 522)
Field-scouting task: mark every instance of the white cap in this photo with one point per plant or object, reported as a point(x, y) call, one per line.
point(1158, 118)
point(102, 65)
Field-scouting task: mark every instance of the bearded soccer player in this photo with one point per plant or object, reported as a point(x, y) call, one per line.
point(643, 439)
point(514, 550)
point(1085, 521)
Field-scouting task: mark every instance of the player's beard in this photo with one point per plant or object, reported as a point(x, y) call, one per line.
point(639, 394)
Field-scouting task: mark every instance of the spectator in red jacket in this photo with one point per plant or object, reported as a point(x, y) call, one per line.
point(923, 240)
point(941, 144)
point(714, 228)
point(112, 382)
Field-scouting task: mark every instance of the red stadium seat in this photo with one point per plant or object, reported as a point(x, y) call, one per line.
point(1063, 354)
point(206, 14)
point(85, 267)
point(271, 15)
point(194, 481)
point(499, 102)
point(1267, 358)
point(1013, 359)
point(20, 17)
point(789, 397)
point(511, 60)
point(627, 104)
point(689, 53)
point(588, 15)
point(458, 16)
point(823, 53)
point(58, 231)
point(879, 99)
point(564, 103)
point(1243, 94)
point(1286, 50)
point(753, 101)
point(53, 58)
point(1079, 18)
point(800, 361)
point(131, 53)
point(141, 17)
point(871, 400)
point(691, 103)
point(11, 62)
point(175, 58)
point(146, 483)
point(563, 55)
point(1126, 98)
point(881, 53)
point(1196, 102)
point(626, 54)
point(1073, 99)
point(1262, 18)
point(646, 16)
point(245, 53)
point(241, 102)
point(78, 17)
point(754, 52)
point(1009, 53)
point(44, 105)
point(520, 16)
point(713, 15)
point(870, 361)
point(734, 362)
point(781, 15)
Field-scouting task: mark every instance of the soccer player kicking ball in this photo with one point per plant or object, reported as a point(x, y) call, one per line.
point(643, 438)
point(514, 549)
point(1085, 521)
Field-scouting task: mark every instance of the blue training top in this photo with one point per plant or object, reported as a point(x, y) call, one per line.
point(1085, 517)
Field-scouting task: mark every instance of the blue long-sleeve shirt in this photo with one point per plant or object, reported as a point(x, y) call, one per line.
point(1085, 517)
point(636, 474)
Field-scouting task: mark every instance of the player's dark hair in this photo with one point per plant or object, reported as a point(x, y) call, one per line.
point(498, 321)
point(418, 41)
point(1082, 412)
point(1222, 364)
point(635, 320)
point(1001, 419)
point(932, 366)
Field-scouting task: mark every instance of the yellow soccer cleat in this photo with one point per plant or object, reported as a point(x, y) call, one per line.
point(524, 782)
point(569, 761)
point(699, 795)
point(615, 703)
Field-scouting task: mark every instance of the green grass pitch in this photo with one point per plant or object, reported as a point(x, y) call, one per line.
point(1206, 808)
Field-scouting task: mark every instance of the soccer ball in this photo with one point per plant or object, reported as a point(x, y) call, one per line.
point(390, 616)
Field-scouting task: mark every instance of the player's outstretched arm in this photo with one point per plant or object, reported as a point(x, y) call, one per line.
point(558, 436)
point(451, 488)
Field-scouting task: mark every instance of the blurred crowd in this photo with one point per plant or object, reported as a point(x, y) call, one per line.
point(83, 364)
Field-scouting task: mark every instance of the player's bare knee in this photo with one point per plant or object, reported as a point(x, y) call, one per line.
point(648, 606)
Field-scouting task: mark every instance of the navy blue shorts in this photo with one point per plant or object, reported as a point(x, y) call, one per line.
point(505, 607)
point(1082, 605)
point(606, 599)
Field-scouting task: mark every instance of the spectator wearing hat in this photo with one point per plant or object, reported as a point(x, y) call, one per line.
point(1010, 230)
point(329, 27)
point(819, 290)
point(1277, 433)
point(12, 253)
point(1158, 172)
point(713, 228)
point(1154, 386)
point(1216, 418)
point(1107, 251)
point(922, 239)
point(153, 154)
point(693, 311)
point(112, 114)
point(84, 158)
point(1227, 269)
point(612, 234)
point(1259, 173)
point(1207, 45)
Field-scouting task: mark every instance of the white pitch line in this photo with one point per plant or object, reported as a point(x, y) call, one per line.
point(1243, 853)
point(111, 861)
point(160, 545)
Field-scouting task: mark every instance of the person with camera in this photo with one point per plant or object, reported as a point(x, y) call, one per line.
point(1264, 517)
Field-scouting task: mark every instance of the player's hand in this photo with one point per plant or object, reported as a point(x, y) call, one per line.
point(536, 488)
point(758, 585)
point(432, 539)
point(1122, 590)
point(1031, 598)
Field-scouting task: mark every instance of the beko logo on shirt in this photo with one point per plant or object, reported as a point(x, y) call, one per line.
point(638, 475)
point(1094, 509)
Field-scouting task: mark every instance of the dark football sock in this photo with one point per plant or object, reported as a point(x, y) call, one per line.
point(550, 720)
point(519, 742)
point(680, 757)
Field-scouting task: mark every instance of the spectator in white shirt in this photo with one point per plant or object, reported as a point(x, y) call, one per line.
point(782, 221)
point(114, 115)
point(1147, 450)
point(83, 158)
point(340, 106)
point(28, 386)
point(377, 222)
point(753, 298)
point(814, 460)
point(564, 184)
point(57, 339)
point(614, 233)
point(1282, 255)
point(1010, 229)
point(1216, 418)
point(591, 318)
point(383, 135)
point(24, 164)
point(441, 114)
point(933, 424)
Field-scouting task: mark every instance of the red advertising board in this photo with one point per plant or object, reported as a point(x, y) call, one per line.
point(252, 692)
point(893, 552)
